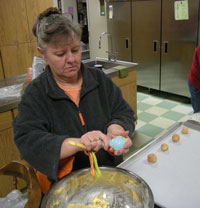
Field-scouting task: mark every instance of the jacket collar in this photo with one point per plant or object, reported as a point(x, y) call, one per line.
point(53, 90)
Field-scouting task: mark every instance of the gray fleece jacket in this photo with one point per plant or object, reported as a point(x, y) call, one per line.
point(46, 116)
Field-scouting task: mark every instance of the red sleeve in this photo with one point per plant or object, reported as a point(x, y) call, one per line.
point(196, 59)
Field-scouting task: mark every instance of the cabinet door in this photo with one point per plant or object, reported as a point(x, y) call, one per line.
point(8, 150)
point(13, 23)
point(146, 19)
point(17, 58)
point(179, 41)
point(5, 120)
point(15, 112)
point(34, 7)
point(128, 86)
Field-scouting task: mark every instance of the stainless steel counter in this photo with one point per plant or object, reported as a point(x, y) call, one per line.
point(10, 89)
point(10, 92)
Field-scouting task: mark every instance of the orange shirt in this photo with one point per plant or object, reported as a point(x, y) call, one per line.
point(72, 92)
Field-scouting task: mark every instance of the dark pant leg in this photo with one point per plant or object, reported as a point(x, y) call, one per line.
point(195, 97)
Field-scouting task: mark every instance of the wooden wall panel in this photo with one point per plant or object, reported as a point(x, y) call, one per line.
point(34, 51)
point(34, 7)
point(17, 58)
point(13, 22)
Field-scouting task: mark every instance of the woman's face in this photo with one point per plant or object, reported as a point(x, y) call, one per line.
point(64, 59)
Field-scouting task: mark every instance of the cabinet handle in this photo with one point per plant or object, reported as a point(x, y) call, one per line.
point(165, 46)
point(155, 47)
point(126, 42)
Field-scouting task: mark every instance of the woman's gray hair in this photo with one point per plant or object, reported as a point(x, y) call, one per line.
point(51, 25)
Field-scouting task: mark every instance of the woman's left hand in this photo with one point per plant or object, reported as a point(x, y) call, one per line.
point(116, 130)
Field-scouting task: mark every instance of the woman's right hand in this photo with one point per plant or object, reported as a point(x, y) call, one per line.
point(93, 140)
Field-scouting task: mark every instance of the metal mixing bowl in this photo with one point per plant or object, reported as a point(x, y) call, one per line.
point(121, 188)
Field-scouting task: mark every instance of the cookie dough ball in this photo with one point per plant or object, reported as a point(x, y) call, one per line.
point(185, 130)
point(164, 147)
point(152, 158)
point(175, 138)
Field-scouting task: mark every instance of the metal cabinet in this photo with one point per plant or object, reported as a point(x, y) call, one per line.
point(146, 29)
point(162, 44)
point(119, 26)
point(179, 39)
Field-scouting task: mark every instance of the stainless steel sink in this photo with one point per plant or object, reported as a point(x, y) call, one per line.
point(101, 64)
point(111, 68)
point(106, 64)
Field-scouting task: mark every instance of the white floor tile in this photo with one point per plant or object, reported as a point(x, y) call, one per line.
point(182, 109)
point(139, 139)
point(152, 101)
point(140, 124)
point(156, 110)
point(163, 123)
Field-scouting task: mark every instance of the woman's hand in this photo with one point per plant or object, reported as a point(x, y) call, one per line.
point(93, 140)
point(117, 130)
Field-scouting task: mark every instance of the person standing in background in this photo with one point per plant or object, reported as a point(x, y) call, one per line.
point(194, 81)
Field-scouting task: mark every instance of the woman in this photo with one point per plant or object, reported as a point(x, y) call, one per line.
point(194, 81)
point(68, 102)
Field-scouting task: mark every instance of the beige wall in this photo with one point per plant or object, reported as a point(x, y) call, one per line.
point(55, 4)
point(65, 5)
point(97, 25)
point(70, 3)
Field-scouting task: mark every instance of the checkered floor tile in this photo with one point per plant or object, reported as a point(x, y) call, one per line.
point(156, 114)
